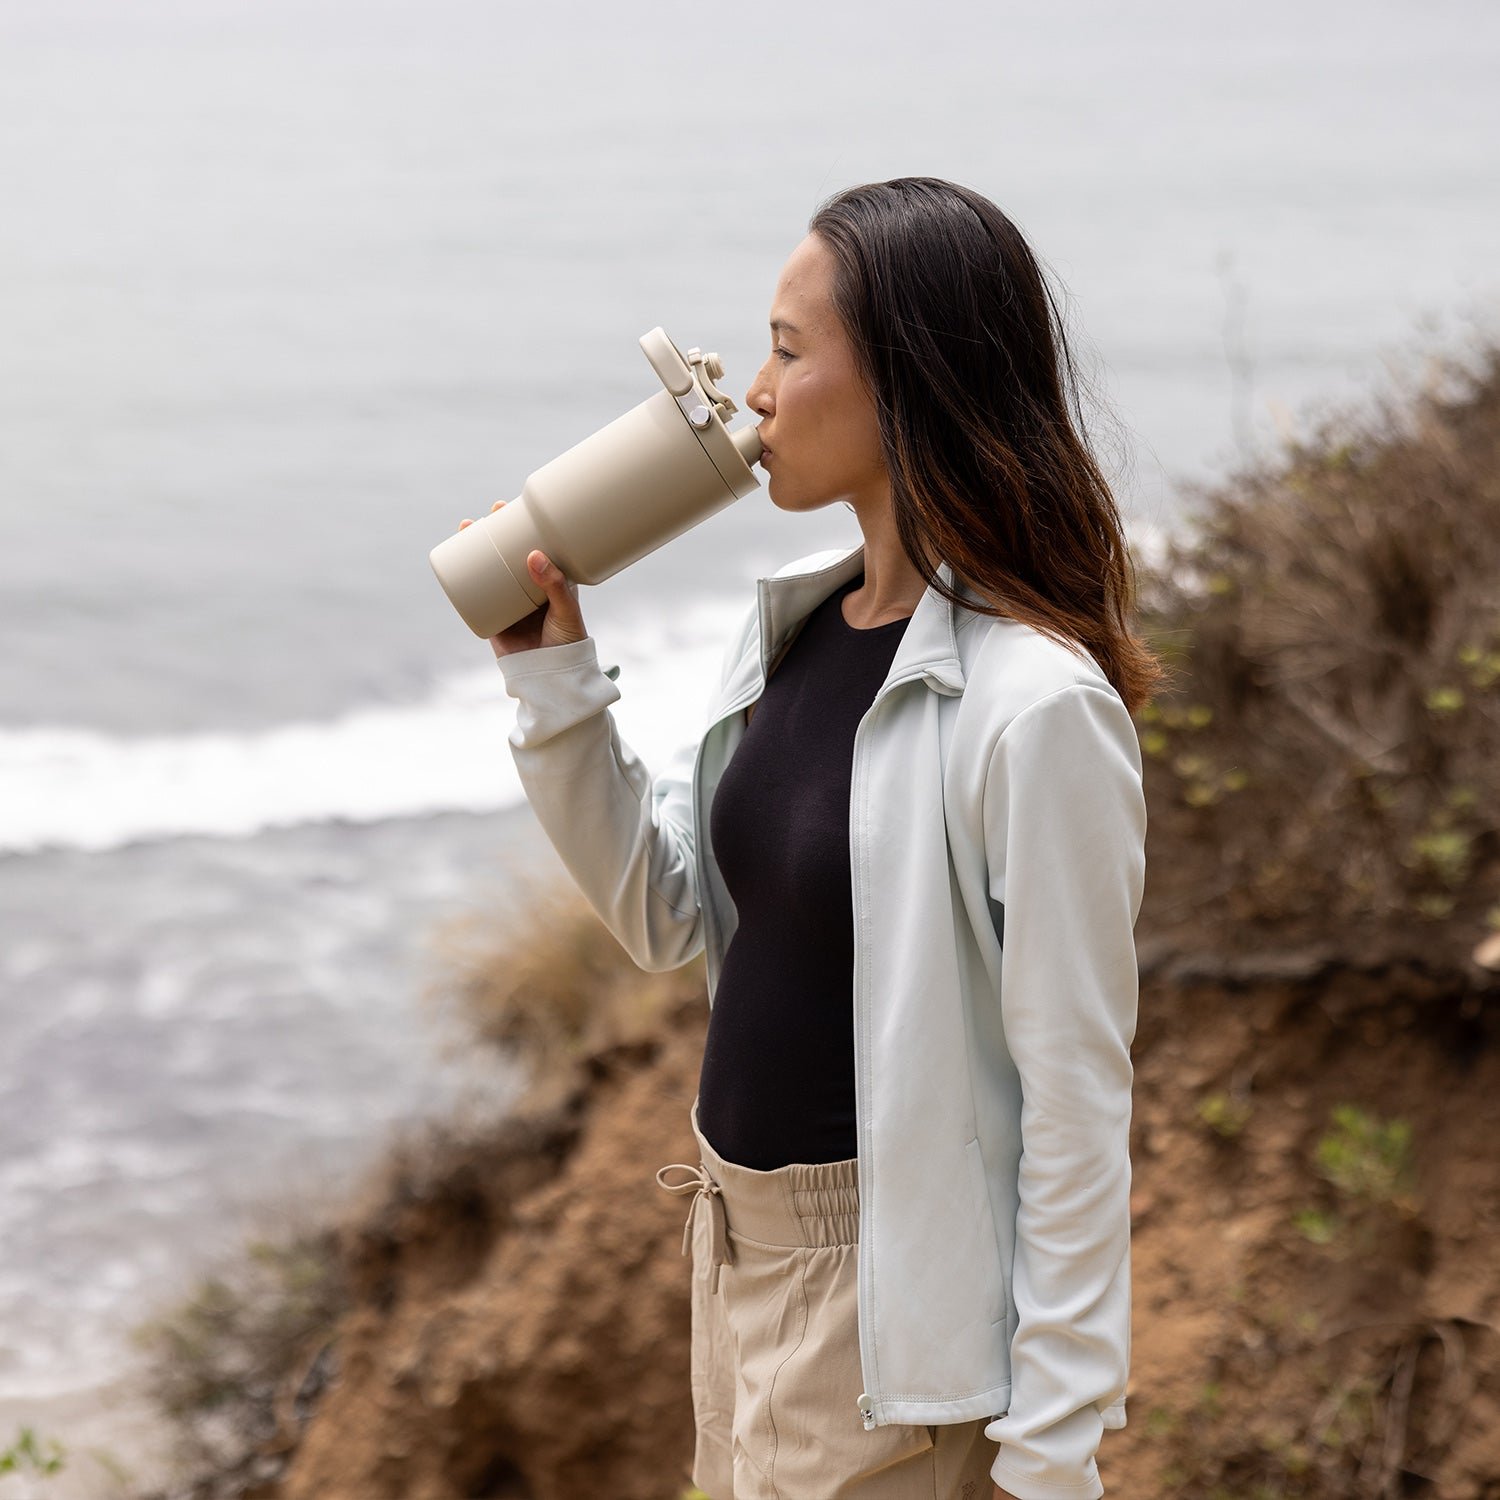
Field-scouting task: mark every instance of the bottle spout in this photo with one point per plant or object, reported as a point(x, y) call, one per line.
point(747, 441)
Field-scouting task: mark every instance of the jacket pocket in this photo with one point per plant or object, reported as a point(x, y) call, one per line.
point(989, 1241)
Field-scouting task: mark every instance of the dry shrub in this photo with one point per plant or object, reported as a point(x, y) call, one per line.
point(1385, 1399)
point(1329, 749)
point(238, 1363)
point(551, 986)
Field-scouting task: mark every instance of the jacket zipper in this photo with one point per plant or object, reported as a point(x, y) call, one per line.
point(866, 1292)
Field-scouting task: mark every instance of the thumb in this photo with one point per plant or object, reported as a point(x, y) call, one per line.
point(546, 573)
point(563, 615)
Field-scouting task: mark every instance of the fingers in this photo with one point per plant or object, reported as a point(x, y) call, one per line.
point(469, 520)
point(563, 612)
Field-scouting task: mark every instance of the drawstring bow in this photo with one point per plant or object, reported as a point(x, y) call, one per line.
point(702, 1186)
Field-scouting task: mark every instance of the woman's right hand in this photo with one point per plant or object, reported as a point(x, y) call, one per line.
point(558, 622)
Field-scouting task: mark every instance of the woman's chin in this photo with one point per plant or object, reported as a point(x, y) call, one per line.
point(795, 504)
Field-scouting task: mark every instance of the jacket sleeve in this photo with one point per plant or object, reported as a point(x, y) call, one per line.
point(1065, 829)
point(626, 837)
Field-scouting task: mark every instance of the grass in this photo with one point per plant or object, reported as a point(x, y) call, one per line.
point(1225, 1114)
point(1366, 1157)
point(1368, 1161)
point(27, 1456)
point(1320, 1226)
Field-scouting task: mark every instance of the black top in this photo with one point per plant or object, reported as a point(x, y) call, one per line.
point(777, 1084)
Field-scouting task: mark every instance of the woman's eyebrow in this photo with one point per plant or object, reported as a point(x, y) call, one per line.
point(780, 323)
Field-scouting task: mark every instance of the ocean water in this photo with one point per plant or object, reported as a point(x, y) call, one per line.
point(287, 290)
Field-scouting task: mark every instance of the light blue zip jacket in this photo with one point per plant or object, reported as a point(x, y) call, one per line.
point(997, 857)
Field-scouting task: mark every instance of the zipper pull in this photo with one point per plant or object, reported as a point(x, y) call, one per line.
point(867, 1411)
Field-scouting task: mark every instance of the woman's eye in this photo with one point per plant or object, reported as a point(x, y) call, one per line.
point(782, 354)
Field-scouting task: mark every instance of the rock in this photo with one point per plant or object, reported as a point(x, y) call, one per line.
point(1487, 954)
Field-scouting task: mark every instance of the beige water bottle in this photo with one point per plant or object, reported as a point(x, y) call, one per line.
point(643, 479)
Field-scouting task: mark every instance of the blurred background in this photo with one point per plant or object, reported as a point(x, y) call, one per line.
point(287, 290)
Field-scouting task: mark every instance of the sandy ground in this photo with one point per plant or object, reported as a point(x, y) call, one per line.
point(109, 1437)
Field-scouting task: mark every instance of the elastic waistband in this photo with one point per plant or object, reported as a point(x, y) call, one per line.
point(806, 1204)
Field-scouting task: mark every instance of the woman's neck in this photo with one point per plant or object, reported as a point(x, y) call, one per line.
point(892, 586)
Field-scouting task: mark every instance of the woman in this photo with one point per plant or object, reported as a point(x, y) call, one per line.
point(920, 785)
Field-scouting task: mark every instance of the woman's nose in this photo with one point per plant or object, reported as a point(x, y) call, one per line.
point(758, 396)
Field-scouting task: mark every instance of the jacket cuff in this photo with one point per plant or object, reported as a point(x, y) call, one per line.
point(556, 688)
point(548, 658)
point(1026, 1487)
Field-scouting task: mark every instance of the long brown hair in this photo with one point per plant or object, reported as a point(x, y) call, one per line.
point(961, 345)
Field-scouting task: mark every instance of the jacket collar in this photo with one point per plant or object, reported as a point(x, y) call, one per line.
point(929, 644)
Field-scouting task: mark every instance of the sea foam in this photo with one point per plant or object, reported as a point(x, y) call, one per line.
point(81, 789)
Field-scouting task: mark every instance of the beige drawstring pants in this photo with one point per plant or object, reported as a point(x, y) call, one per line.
point(775, 1346)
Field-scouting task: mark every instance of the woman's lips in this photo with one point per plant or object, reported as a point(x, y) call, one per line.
point(765, 454)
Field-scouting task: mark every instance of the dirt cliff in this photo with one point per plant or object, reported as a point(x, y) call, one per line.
point(519, 1316)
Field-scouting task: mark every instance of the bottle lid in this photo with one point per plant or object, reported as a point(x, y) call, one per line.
point(690, 379)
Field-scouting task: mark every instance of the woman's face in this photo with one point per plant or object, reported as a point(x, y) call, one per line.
point(818, 423)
